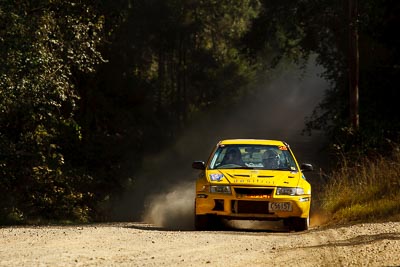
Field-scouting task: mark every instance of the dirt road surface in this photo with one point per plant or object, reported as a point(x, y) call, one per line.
point(139, 244)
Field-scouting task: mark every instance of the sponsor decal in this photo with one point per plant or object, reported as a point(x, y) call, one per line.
point(216, 177)
point(252, 181)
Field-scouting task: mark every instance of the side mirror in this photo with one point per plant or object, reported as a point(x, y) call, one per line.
point(306, 167)
point(200, 165)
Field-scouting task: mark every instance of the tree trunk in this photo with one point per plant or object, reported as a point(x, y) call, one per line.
point(353, 64)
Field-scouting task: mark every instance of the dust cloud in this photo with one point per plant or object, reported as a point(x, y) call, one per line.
point(318, 218)
point(164, 190)
point(173, 209)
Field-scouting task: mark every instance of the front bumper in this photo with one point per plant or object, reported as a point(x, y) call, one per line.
point(263, 207)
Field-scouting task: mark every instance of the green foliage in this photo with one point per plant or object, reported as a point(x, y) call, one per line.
point(42, 43)
point(364, 190)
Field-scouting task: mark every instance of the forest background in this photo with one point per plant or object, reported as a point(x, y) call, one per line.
point(89, 88)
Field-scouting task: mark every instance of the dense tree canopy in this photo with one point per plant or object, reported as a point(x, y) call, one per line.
point(298, 28)
point(42, 44)
point(88, 88)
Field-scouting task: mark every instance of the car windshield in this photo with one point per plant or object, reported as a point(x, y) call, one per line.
point(265, 157)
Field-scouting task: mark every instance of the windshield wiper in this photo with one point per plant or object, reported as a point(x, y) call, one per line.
point(285, 169)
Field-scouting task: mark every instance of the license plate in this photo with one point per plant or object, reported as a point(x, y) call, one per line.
point(280, 206)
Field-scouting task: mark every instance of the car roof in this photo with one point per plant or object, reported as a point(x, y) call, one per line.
point(252, 142)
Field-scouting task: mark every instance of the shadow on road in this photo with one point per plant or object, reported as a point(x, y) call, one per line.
point(231, 226)
point(359, 240)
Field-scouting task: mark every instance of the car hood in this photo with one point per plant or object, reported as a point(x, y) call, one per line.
point(254, 177)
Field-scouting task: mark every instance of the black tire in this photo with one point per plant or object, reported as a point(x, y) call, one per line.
point(201, 222)
point(301, 224)
point(297, 224)
point(208, 222)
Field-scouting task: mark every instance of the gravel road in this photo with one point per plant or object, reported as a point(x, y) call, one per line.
point(140, 244)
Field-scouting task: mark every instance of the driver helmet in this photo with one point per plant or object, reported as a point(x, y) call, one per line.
point(271, 158)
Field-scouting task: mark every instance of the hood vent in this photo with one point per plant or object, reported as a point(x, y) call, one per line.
point(241, 175)
point(238, 175)
point(248, 176)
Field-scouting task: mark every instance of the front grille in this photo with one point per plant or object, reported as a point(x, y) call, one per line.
point(245, 206)
point(253, 191)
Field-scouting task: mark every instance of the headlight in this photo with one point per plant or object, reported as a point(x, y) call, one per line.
point(290, 191)
point(220, 189)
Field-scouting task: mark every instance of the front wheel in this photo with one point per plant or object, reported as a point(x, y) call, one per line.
point(297, 224)
point(201, 222)
point(208, 222)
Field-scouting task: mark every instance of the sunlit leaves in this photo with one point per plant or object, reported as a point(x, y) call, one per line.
point(42, 46)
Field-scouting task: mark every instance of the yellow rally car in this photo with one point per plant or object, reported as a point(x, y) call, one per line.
point(249, 179)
